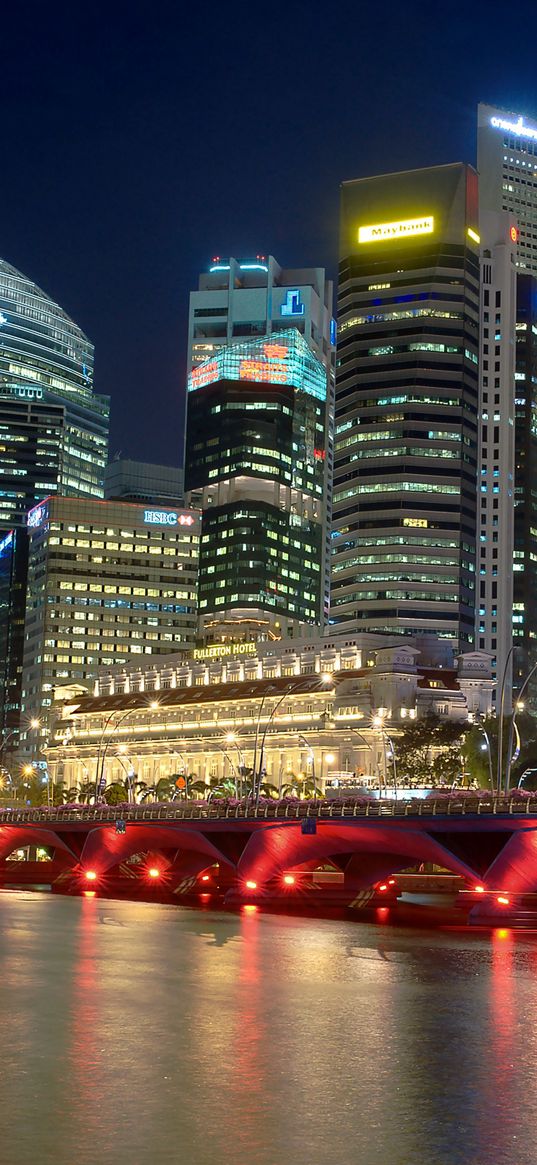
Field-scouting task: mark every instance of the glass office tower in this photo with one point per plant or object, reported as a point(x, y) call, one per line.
point(404, 502)
point(256, 464)
point(53, 436)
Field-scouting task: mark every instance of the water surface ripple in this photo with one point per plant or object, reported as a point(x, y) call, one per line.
point(139, 1034)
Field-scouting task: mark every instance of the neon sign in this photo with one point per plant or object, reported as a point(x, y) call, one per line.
point(167, 518)
point(293, 305)
point(384, 231)
point(218, 649)
point(204, 374)
point(513, 234)
point(515, 127)
point(285, 358)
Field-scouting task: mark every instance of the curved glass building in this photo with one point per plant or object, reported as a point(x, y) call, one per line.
point(53, 428)
point(53, 440)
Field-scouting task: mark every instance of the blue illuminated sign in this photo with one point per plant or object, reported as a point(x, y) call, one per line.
point(6, 543)
point(293, 305)
point(333, 332)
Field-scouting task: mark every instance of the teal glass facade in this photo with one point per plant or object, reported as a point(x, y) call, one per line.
point(256, 463)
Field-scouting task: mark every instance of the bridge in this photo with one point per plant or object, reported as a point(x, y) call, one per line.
point(244, 854)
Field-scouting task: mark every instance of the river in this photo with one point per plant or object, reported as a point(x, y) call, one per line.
point(141, 1034)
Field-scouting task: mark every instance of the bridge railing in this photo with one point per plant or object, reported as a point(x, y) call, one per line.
point(429, 807)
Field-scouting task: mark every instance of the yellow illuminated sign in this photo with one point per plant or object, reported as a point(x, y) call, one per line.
point(384, 231)
point(473, 235)
point(415, 522)
point(219, 649)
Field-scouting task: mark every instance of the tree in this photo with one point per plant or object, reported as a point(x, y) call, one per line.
point(424, 744)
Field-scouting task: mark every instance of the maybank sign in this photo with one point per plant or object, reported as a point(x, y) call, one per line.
point(218, 649)
point(517, 128)
point(380, 232)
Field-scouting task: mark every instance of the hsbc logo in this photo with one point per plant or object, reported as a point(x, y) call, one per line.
point(167, 518)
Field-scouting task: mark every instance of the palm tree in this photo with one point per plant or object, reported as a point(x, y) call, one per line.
point(268, 790)
point(86, 792)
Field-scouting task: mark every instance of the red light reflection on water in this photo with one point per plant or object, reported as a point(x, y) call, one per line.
point(250, 1037)
point(499, 1046)
point(382, 914)
point(85, 1055)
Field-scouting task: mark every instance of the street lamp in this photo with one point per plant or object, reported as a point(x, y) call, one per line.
point(231, 738)
point(101, 752)
point(513, 728)
point(378, 722)
point(486, 748)
point(311, 755)
point(500, 722)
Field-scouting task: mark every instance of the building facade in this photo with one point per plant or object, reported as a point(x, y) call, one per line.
point(237, 301)
point(494, 609)
point(507, 165)
point(525, 517)
point(106, 581)
point(404, 502)
point(53, 427)
point(242, 301)
point(53, 439)
point(141, 481)
point(257, 465)
point(326, 708)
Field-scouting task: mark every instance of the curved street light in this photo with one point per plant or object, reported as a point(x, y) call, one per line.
point(500, 724)
point(101, 753)
point(486, 748)
point(513, 728)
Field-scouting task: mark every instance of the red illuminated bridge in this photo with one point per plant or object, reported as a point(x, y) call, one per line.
point(241, 854)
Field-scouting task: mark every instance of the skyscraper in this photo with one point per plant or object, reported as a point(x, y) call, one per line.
point(237, 301)
point(507, 165)
point(525, 516)
point(53, 427)
point(257, 438)
point(496, 492)
point(139, 481)
point(404, 503)
point(243, 301)
point(106, 580)
point(53, 438)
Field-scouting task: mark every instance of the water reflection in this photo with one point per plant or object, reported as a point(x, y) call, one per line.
point(153, 1035)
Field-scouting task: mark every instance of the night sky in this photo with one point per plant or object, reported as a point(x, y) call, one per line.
point(139, 140)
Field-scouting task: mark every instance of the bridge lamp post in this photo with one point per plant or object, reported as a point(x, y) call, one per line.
point(485, 747)
point(232, 766)
point(311, 755)
point(231, 738)
point(511, 754)
point(378, 723)
point(503, 686)
point(101, 752)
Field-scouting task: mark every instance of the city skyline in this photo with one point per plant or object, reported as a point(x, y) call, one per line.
point(141, 181)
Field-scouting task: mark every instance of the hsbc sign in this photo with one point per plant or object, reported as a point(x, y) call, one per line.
point(167, 518)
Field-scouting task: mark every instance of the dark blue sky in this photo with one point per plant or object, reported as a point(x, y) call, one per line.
point(140, 139)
